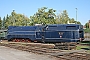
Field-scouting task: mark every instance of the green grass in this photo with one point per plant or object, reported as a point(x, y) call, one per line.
point(88, 51)
point(82, 47)
point(87, 48)
point(87, 30)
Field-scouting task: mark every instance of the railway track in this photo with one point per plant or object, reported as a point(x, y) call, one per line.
point(42, 49)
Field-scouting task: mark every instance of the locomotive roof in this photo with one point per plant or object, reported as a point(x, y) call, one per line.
point(63, 24)
point(34, 27)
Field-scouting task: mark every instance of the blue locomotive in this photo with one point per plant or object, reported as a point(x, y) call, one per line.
point(53, 33)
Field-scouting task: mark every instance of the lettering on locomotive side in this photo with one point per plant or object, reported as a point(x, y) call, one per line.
point(60, 33)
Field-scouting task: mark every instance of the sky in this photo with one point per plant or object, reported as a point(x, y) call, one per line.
point(30, 7)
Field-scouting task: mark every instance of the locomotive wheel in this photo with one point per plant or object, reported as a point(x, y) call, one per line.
point(21, 40)
point(17, 40)
point(28, 40)
point(13, 40)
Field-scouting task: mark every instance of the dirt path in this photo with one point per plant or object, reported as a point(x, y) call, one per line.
point(7, 53)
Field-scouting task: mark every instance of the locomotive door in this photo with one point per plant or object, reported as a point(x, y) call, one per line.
point(72, 35)
point(40, 34)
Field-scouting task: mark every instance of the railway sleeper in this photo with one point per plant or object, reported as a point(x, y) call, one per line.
point(66, 46)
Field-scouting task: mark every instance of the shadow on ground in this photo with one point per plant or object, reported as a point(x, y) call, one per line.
point(86, 48)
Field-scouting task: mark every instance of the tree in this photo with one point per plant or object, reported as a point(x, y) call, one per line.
point(72, 20)
point(87, 25)
point(62, 18)
point(3, 22)
point(43, 16)
point(16, 20)
point(0, 23)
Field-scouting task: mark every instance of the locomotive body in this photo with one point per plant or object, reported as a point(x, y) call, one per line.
point(53, 33)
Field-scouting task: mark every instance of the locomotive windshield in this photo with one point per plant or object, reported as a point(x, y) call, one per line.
point(70, 27)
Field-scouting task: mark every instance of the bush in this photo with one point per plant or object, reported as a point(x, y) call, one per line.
point(87, 30)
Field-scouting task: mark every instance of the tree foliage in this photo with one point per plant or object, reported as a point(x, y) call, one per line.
point(15, 20)
point(63, 18)
point(87, 25)
point(0, 23)
point(42, 16)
